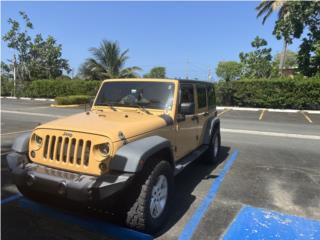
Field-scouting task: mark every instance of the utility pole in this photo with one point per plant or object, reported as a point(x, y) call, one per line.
point(14, 75)
point(209, 75)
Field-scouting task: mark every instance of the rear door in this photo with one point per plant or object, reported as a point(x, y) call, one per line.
point(201, 110)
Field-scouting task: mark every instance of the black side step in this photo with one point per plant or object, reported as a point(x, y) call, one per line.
point(185, 161)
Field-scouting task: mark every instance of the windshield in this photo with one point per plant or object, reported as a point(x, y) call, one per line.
point(156, 95)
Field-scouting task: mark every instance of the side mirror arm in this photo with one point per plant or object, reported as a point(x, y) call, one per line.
point(181, 117)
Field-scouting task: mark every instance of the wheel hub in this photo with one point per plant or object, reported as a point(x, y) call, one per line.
point(159, 196)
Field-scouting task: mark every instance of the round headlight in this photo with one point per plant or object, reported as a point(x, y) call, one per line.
point(104, 148)
point(38, 139)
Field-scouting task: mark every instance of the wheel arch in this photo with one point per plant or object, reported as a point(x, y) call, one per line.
point(134, 156)
point(213, 125)
point(21, 143)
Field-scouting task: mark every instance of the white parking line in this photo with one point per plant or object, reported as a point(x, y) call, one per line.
point(306, 117)
point(32, 114)
point(223, 112)
point(261, 115)
point(272, 134)
point(12, 133)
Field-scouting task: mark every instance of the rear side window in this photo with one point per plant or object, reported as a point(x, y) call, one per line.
point(211, 96)
point(202, 97)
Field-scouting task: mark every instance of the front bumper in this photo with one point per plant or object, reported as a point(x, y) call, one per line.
point(77, 187)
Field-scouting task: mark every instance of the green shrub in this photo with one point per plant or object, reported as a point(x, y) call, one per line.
point(279, 93)
point(6, 87)
point(298, 93)
point(75, 99)
point(54, 88)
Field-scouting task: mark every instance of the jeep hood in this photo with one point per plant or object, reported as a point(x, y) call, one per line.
point(109, 124)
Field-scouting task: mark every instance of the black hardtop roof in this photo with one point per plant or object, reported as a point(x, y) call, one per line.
point(194, 81)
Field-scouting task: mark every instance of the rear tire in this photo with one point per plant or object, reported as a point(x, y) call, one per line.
point(212, 154)
point(150, 209)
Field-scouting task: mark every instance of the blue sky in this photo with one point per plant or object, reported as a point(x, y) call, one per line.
point(185, 37)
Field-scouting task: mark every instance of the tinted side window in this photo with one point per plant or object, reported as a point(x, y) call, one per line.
point(211, 96)
point(202, 97)
point(187, 95)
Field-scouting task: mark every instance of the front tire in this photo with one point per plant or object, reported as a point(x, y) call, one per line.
point(150, 209)
point(212, 154)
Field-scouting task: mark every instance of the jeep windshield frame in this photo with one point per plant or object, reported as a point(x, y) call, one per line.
point(136, 94)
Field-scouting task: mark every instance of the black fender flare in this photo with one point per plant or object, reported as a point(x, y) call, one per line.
point(18, 156)
point(213, 124)
point(21, 143)
point(132, 157)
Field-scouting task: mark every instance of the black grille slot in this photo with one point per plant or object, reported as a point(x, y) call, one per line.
point(58, 149)
point(53, 142)
point(87, 153)
point(72, 149)
point(79, 153)
point(65, 149)
point(46, 144)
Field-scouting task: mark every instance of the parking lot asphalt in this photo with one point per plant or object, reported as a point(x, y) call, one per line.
point(268, 178)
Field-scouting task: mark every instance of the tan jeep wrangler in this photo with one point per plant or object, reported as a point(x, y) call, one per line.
point(125, 151)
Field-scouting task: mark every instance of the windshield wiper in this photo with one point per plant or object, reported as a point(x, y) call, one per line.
point(109, 104)
point(142, 108)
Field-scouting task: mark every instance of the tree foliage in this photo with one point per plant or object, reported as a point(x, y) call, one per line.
point(229, 70)
point(107, 62)
point(6, 72)
point(156, 72)
point(294, 19)
point(257, 64)
point(290, 60)
point(36, 58)
point(302, 16)
point(266, 8)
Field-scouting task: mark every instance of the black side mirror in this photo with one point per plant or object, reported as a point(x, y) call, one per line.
point(187, 108)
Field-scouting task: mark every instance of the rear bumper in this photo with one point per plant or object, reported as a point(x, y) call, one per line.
point(77, 187)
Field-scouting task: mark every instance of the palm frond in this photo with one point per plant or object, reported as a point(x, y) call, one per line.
point(108, 62)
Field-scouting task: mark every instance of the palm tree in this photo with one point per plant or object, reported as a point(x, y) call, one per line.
point(265, 9)
point(107, 62)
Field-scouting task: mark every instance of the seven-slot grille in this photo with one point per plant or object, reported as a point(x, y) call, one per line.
point(67, 149)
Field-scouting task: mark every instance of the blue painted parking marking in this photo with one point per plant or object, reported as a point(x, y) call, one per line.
point(192, 224)
point(10, 199)
point(255, 223)
point(87, 223)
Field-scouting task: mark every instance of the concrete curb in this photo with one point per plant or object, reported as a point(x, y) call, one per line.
point(64, 106)
point(268, 109)
point(27, 98)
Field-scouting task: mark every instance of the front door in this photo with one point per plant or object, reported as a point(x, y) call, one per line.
point(186, 125)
